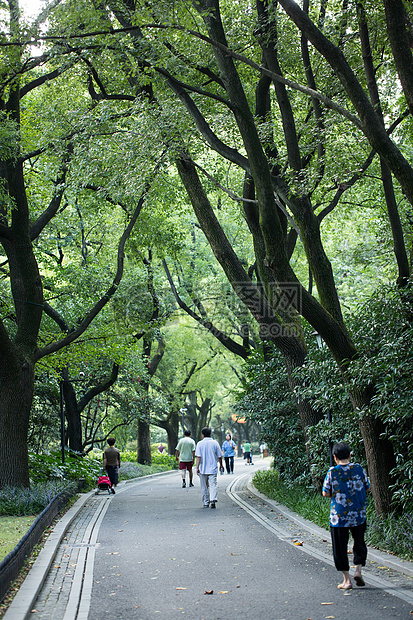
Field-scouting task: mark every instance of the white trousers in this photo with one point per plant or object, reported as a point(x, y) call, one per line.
point(209, 487)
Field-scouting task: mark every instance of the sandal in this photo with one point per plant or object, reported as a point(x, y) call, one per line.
point(359, 580)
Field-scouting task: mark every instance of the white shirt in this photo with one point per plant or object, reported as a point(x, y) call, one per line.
point(210, 451)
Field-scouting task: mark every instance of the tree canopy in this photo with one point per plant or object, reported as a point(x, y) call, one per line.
point(260, 151)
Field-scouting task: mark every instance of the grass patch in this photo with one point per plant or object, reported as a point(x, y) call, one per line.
point(393, 533)
point(12, 530)
point(303, 501)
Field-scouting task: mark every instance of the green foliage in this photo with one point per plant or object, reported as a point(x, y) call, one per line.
point(44, 467)
point(393, 533)
point(267, 400)
point(17, 501)
point(384, 334)
point(295, 496)
point(165, 459)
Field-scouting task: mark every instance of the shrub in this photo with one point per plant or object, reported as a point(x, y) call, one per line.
point(267, 399)
point(19, 502)
point(45, 467)
point(393, 533)
point(135, 470)
point(165, 459)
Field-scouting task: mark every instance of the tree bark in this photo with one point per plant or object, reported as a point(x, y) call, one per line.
point(16, 384)
point(397, 31)
point(72, 414)
point(144, 456)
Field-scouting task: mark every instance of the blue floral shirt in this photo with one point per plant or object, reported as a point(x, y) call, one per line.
point(228, 447)
point(348, 486)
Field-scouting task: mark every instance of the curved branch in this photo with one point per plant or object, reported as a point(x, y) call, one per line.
point(84, 324)
point(228, 342)
point(101, 387)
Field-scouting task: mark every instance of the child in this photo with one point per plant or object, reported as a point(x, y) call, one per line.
point(347, 485)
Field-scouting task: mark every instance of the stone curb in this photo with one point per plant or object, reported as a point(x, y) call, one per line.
point(391, 561)
point(23, 601)
point(22, 604)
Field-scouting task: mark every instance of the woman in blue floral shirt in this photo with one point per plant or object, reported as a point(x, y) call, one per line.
point(228, 451)
point(347, 485)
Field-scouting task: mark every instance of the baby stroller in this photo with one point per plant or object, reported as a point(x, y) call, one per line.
point(104, 484)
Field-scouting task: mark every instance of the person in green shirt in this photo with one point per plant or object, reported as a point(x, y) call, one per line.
point(247, 453)
point(185, 454)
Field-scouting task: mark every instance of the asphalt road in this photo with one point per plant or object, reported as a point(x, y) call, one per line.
point(159, 552)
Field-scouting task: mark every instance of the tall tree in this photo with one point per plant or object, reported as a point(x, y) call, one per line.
point(20, 228)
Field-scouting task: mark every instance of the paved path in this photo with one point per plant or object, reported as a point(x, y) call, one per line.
point(152, 550)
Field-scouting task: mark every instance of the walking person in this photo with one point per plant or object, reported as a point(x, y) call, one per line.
point(247, 453)
point(208, 454)
point(111, 462)
point(185, 454)
point(347, 486)
point(228, 451)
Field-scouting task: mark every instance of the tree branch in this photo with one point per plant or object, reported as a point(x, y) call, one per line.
point(84, 324)
point(228, 342)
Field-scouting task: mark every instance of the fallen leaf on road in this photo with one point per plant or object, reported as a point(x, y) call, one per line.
point(180, 588)
point(209, 592)
point(113, 553)
point(223, 591)
point(327, 603)
point(329, 617)
point(298, 543)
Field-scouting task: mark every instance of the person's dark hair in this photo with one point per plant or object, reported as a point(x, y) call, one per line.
point(206, 431)
point(111, 441)
point(341, 451)
point(228, 435)
point(187, 433)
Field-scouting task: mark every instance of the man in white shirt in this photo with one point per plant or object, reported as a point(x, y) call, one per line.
point(208, 454)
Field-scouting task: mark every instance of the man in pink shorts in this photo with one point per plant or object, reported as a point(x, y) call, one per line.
point(185, 454)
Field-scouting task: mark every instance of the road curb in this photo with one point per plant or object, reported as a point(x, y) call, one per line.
point(402, 566)
point(22, 604)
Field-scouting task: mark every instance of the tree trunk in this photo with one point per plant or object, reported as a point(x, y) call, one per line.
point(171, 426)
point(16, 382)
point(172, 432)
point(379, 453)
point(144, 443)
point(380, 461)
point(72, 413)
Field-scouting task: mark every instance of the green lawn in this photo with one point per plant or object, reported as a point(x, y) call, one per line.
point(12, 529)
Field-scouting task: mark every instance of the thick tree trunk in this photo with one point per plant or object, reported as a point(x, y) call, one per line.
point(16, 381)
point(379, 454)
point(72, 413)
point(172, 432)
point(380, 461)
point(144, 443)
